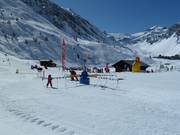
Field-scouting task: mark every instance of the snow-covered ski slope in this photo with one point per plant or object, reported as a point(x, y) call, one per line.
point(141, 104)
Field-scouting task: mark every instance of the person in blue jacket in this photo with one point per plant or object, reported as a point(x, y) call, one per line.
point(84, 78)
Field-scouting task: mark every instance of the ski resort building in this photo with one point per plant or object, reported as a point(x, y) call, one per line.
point(47, 63)
point(126, 65)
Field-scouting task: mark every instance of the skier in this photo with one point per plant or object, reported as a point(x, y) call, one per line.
point(49, 81)
point(73, 75)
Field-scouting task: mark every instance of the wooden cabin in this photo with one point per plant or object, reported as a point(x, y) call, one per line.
point(47, 63)
point(126, 65)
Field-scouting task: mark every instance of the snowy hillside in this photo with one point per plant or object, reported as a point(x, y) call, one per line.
point(26, 34)
point(68, 21)
point(141, 104)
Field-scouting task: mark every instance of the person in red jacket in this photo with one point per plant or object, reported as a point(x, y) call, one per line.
point(49, 81)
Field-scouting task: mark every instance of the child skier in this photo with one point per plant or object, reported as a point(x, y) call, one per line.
point(49, 81)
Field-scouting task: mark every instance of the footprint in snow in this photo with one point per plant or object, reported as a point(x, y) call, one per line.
point(24, 116)
point(11, 110)
point(19, 114)
point(47, 124)
point(28, 118)
point(55, 127)
point(40, 122)
point(15, 112)
point(34, 120)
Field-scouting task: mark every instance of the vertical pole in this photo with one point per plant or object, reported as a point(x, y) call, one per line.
point(63, 55)
point(43, 77)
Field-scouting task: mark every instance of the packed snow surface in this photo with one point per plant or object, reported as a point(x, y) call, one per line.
point(141, 104)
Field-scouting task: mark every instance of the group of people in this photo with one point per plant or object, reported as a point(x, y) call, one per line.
point(83, 78)
point(73, 76)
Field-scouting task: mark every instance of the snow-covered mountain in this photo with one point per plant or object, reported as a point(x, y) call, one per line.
point(67, 20)
point(31, 29)
point(28, 34)
point(151, 35)
point(158, 41)
point(154, 41)
point(25, 34)
point(121, 38)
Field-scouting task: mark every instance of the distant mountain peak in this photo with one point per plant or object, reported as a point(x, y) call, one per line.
point(155, 27)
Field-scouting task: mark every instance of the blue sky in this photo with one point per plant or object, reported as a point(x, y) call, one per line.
point(126, 16)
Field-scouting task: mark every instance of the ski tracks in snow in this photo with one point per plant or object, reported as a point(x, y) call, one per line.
point(33, 119)
point(58, 128)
